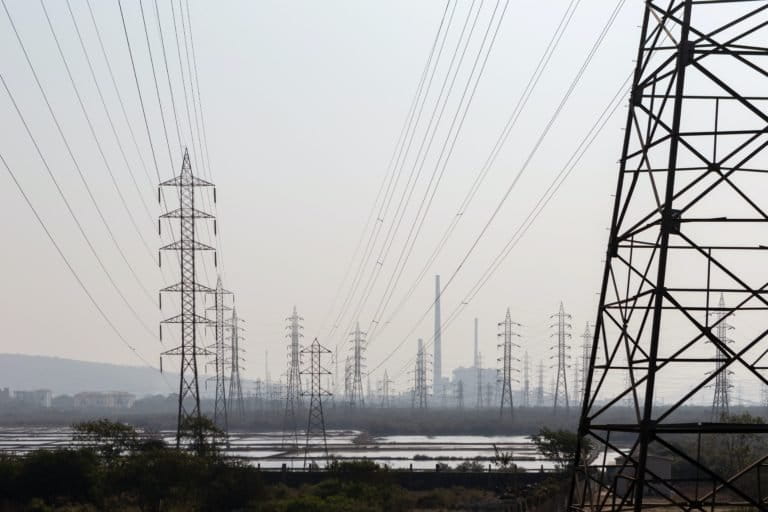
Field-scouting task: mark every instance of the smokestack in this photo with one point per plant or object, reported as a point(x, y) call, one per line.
point(477, 348)
point(438, 357)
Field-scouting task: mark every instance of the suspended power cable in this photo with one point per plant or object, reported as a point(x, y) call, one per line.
point(71, 269)
point(488, 164)
point(445, 154)
point(436, 114)
point(412, 120)
point(68, 205)
point(103, 159)
point(544, 133)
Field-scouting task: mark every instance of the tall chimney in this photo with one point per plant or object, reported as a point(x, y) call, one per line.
point(437, 361)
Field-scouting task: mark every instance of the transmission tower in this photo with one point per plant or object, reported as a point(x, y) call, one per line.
point(356, 396)
point(188, 288)
point(460, 394)
point(385, 391)
point(437, 344)
point(540, 385)
point(316, 419)
point(489, 391)
point(688, 223)
point(293, 377)
point(348, 379)
point(720, 399)
point(562, 335)
point(235, 386)
point(506, 362)
point(526, 381)
point(220, 413)
point(420, 378)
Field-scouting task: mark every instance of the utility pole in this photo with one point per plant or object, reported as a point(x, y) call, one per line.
point(540, 386)
point(220, 413)
point(526, 381)
point(235, 385)
point(420, 378)
point(293, 393)
point(688, 223)
point(506, 362)
point(188, 414)
point(316, 419)
point(561, 347)
point(357, 399)
point(721, 397)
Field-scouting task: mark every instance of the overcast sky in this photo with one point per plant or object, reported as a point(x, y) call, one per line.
point(303, 103)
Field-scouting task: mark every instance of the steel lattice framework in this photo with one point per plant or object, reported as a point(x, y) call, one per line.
point(220, 416)
point(315, 419)
point(356, 396)
point(236, 400)
point(293, 395)
point(689, 223)
point(562, 355)
point(188, 287)
point(506, 359)
point(420, 389)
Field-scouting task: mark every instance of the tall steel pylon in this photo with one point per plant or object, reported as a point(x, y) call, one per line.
point(188, 288)
point(688, 223)
point(479, 381)
point(420, 389)
point(526, 380)
point(315, 417)
point(506, 359)
point(437, 344)
point(721, 397)
point(356, 396)
point(220, 412)
point(460, 394)
point(236, 402)
point(385, 391)
point(293, 393)
point(561, 347)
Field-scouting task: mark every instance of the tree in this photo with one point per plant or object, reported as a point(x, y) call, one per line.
point(201, 435)
point(110, 439)
point(560, 446)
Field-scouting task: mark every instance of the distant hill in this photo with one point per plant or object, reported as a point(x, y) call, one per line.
point(69, 376)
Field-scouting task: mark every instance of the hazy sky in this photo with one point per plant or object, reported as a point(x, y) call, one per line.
point(303, 104)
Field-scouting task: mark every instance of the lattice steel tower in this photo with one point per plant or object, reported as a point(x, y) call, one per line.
point(723, 386)
point(420, 378)
point(478, 371)
point(586, 352)
point(236, 401)
point(386, 391)
point(356, 396)
point(220, 413)
point(188, 288)
point(506, 359)
point(293, 388)
point(540, 385)
point(561, 347)
point(315, 418)
point(689, 222)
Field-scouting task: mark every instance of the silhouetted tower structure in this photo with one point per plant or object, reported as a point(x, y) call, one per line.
point(460, 394)
point(420, 378)
point(348, 379)
point(236, 402)
point(220, 412)
point(356, 396)
point(561, 335)
point(315, 417)
point(688, 223)
point(293, 393)
point(437, 358)
point(488, 395)
point(506, 359)
point(188, 288)
point(526, 380)
point(721, 397)
point(540, 385)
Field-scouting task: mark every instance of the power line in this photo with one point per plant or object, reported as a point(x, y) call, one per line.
point(69, 266)
point(552, 119)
